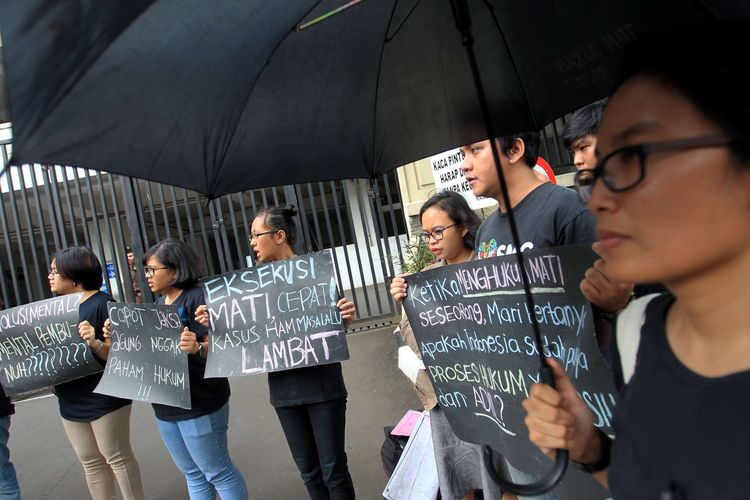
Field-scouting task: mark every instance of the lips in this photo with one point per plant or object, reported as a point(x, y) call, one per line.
point(610, 238)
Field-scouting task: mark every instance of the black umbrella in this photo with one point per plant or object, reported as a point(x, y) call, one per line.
point(224, 96)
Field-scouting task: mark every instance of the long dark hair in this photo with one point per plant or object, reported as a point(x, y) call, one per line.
point(459, 211)
point(181, 257)
point(281, 219)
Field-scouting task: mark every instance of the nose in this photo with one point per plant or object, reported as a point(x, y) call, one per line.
point(466, 164)
point(578, 159)
point(602, 199)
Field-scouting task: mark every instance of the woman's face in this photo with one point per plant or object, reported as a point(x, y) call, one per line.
point(451, 247)
point(691, 211)
point(264, 241)
point(159, 276)
point(59, 284)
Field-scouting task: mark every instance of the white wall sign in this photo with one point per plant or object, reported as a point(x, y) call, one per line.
point(446, 170)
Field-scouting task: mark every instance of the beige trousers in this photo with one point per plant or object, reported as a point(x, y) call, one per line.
point(103, 447)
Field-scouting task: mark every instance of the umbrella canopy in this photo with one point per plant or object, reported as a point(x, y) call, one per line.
point(227, 95)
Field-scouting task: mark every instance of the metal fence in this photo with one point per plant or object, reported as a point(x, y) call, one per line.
point(44, 208)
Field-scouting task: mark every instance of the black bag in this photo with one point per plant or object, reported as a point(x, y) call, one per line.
point(390, 452)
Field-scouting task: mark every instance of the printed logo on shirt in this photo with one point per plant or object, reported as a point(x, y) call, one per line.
point(492, 249)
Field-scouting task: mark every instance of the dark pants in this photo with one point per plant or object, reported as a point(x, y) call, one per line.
point(315, 434)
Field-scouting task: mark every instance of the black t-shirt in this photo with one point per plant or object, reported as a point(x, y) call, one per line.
point(672, 424)
point(312, 384)
point(77, 399)
point(549, 216)
point(206, 395)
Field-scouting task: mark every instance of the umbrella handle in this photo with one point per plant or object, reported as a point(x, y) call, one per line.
point(549, 480)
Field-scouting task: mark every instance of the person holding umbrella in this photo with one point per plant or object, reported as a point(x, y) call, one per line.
point(671, 194)
point(310, 402)
point(97, 425)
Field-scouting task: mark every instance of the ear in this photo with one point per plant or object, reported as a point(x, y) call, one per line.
point(464, 231)
point(517, 151)
point(280, 237)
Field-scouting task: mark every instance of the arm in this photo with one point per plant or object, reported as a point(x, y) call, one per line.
point(98, 347)
point(559, 419)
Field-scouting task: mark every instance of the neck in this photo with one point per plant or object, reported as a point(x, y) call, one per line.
point(87, 294)
point(463, 257)
point(172, 294)
point(521, 181)
point(708, 321)
point(286, 253)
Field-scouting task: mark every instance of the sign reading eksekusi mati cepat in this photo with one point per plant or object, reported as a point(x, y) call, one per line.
point(273, 317)
point(40, 346)
point(474, 330)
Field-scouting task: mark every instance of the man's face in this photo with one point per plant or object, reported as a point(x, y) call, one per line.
point(131, 258)
point(479, 169)
point(584, 152)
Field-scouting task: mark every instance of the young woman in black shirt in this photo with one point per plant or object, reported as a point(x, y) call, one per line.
point(98, 426)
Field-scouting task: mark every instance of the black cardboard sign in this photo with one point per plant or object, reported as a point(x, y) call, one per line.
point(474, 330)
point(145, 362)
point(274, 317)
point(40, 346)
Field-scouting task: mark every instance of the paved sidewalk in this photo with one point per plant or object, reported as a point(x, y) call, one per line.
point(378, 395)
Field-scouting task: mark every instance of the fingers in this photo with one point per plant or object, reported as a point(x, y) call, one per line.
point(346, 307)
point(201, 315)
point(399, 289)
point(608, 294)
point(188, 341)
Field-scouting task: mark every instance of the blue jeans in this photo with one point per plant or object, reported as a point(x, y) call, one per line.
point(199, 449)
point(8, 483)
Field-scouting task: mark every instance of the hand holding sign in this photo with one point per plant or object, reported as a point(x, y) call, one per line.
point(189, 342)
point(87, 333)
point(201, 315)
point(399, 289)
point(348, 311)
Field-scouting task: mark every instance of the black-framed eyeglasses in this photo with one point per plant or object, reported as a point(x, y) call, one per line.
point(436, 233)
point(149, 271)
point(625, 168)
point(254, 236)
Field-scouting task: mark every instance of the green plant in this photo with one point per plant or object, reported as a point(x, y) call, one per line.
point(417, 256)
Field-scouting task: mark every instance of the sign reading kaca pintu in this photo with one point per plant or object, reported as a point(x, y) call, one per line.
point(145, 361)
point(474, 330)
point(40, 345)
point(274, 317)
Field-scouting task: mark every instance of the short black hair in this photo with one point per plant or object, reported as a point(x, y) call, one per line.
point(531, 146)
point(458, 210)
point(281, 219)
point(583, 122)
point(702, 64)
point(80, 265)
point(181, 257)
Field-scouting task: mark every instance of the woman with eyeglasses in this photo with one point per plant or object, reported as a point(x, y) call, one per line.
point(449, 228)
point(196, 438)
point(671, 194)
point(310, 402)
point(97, 425)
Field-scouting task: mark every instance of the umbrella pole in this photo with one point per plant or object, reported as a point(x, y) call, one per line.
point(546, 483)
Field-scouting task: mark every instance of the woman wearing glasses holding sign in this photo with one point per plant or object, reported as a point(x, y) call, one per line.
point(196, 438)
point(671, 194)
point(449, 228)
point(97, 425)
point(310, 402)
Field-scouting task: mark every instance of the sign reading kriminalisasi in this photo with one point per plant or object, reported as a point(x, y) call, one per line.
point(473, 328)
point(145, 361)
point(273, 317)
point(40, 346)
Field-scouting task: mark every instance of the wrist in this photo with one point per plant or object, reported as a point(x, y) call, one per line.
point(98, 347)
point(200, 348)
point(596, 456)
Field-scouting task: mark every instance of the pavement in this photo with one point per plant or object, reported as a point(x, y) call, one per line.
point(378, 396)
